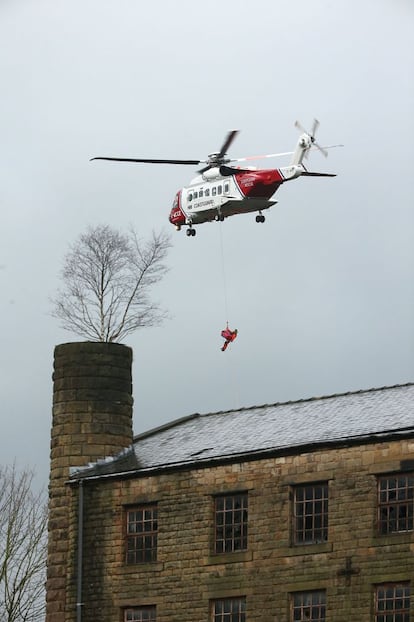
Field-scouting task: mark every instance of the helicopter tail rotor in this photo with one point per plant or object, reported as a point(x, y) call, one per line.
point(306, 142)
point(311, 137)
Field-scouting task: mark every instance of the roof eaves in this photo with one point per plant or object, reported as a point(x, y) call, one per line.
point(366, 438)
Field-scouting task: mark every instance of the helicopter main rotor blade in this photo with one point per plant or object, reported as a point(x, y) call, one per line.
point(149, 160)
point(284, 153)
point(229, 139)
point(261, 157)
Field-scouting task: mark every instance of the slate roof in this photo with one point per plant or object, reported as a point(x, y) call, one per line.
point(289, 427)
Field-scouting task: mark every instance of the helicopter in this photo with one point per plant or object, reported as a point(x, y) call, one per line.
point(222, 189)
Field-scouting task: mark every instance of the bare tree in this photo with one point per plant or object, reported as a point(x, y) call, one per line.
point(23, 543)
point(108, 276)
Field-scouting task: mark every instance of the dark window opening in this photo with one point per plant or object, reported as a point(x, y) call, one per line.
point(142, 532)
point(392, 603)
point(230, 523)
point(308, 606)
point(310, 514)
point(229, 610)
point(395, 503)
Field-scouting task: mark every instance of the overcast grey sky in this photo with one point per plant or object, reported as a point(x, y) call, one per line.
point(322, 294)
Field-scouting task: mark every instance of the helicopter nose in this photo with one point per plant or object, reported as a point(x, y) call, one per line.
point(176, 217)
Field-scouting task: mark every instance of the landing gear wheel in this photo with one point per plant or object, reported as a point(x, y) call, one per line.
point(191, 232)
point(260, 218)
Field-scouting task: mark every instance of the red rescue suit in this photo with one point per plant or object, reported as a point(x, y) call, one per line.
point(229, 336)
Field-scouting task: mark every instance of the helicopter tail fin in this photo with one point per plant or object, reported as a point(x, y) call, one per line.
point(312, 174)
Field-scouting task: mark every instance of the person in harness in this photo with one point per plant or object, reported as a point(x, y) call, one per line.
point(229, 336)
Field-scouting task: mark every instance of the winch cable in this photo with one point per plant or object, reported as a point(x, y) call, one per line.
point(226, 311)
point(233, 383)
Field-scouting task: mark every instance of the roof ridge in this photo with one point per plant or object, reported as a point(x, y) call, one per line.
point(165, 426)
point(310, 399)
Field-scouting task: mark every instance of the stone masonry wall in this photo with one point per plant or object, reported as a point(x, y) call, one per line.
point(187, 575)
point(92, 418)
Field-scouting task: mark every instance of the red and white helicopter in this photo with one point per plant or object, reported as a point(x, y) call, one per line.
point(222, 190)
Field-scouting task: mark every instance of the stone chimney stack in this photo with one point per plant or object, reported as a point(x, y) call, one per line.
point(92, 419)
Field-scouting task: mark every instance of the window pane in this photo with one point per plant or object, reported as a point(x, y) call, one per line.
point(229, 610)
point(310, 514)
point(392, 603)
point(142, 614)
point(231, 523)
point(139, 547)
point(308, 606)
point(395, 503)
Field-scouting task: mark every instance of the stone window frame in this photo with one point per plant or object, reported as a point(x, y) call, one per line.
point(309, 606)
point(141, 542)
point(148, 613)
point(310, 513)
point(232, 609)
point(392, 599)
point(395, 503)
point(230, 522)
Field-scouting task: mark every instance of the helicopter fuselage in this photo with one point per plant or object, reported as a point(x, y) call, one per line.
point(223, 191)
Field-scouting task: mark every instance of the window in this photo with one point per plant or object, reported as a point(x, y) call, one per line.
point(392, 603)
point(195, 194)
point(219, 189)
point(395, 503)
point(140, 614)
point(142, 530)
point(207, 192)
point(308, 606)
point(230, 523)
point(229, 610)
point(310, 514)
point(226, 186)
point(190, 196)
point(214, 191)
point(200, 194)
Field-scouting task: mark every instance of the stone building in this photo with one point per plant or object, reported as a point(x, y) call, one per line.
point(276, 513)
